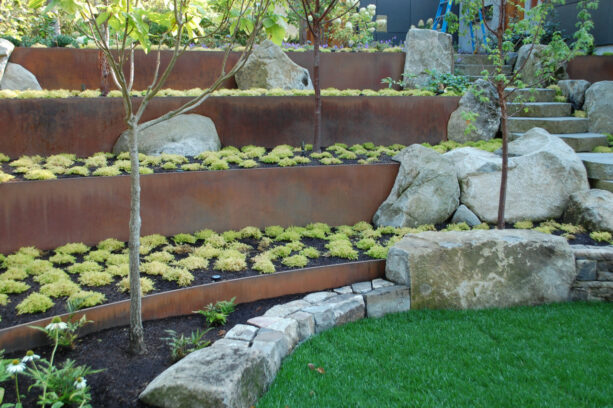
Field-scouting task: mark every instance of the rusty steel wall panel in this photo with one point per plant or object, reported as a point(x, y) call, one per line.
point(69, 68)
point(47, 214)
point(88, 125)
point(184, 301)
point(592, 68)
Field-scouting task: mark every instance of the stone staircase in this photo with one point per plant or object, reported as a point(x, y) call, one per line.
point(555, 117)
point(472, 65)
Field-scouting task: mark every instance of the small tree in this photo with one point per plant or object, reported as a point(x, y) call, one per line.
point(317, 14)
point(530, 30)
point(129, 23)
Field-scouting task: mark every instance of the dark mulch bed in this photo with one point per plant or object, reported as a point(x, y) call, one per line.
point(9, 316)
point(125, 375)
point(383, 158)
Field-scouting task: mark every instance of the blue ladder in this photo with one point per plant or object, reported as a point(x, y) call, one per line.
point(483, 34)
point(439, 20)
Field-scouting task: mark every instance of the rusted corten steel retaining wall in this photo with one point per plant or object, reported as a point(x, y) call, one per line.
point(184, 301)
point(47, 214)
point(592, 68)
point(88, 125)
point(69, 68)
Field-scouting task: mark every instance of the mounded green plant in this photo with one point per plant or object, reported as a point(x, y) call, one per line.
point(60, 288)
point(111, 245)
point(207, 251)
point(14, 273)
point(98, 255)
point(179, 275)
point(184, 239)
point(72, 248)
point(273, 231)
point(231, 236)
point(34, 303)
point(601, 236)
point(119, 270)
point(92, 278)
point(180, 345)
point(146, 285)
point(62, 259)
point(87, 266)
point(262, 263)
point(342, 249)
point(87, 298)
point(365, 243)
point(8, 286)
point(39, 266)
point(295, 261)
point(230, 260)
point(117, 259)
point(193, 262)
point(377, 251)
point(107, 171)
point(51, 276)
point(4, 299)
point(523, 225)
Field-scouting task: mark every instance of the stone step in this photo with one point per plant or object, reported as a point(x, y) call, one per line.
point(481, 59)
point(476, 69)
point(552, 125)
point(599, 165)
point(532, 95)
point(539, 109)
point(580, 142)
point(602, 184)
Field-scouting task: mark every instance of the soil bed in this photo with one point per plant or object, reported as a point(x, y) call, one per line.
point(124, 375)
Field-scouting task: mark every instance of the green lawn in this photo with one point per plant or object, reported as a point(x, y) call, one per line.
point(547, 356)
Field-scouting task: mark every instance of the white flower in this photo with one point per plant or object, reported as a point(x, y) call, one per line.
point(430, 21)
point(336, 21)
point(371, 7)
point(362, 10)
point(15, 367)
point(310, 18)
point(371, 29)
point(56, 326)
point(30, 356)
point(420, 23)
point(349, 26)
point(80, 383)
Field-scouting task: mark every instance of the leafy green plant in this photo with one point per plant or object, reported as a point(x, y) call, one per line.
point(181, 345)
point(217, 314)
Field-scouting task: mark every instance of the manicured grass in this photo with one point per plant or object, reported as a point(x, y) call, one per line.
point(547, 356)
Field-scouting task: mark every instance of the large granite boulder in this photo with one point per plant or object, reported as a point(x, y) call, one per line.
point(482, 269)
point(187, 135)
point(574, 90)
point(17, 78)
point(483, 101)
point(533, 63)
point(426, 190)
point(599, 106)
point(592, 209)
point(6, 48)
point(268, 67)
point(543, 173)
point(426, 50)
point(211, 377)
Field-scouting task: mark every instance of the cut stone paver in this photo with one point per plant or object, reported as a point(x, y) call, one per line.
point(598, 165)
point(602, 184)
point(539, 109)
point(552, 125)
point(317, 297)
point(361, 287)
point(532, 95)
point(242, 332)
point(274, 345)
point(381, 283)
point(211, 377)
point(287, 308)
point(306, 324)
point(344, 290)
point(391, 299)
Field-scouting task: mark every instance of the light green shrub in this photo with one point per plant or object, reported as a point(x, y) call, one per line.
point(62, 259)
point(273, 231)
point(248, 164)
point(162, 256)
point(95, 278)
point(295, 261)
point(231, 236)
point(60, 288)
point(179, 275)
point(193, 262)
point(111, 245)
point(184, 239)
point(342, 249)
point(18, 259)
point(377, 251)
point(523, 225)
point(87, 298)
point(99, 255)
point(231, 260)
point(204, 234)
point(14, 273)
point(365, 243)
point(87, 266)
point(51, 276)
point(4, 299)
point(39, 266)
point(35, 303)
point(207, 252)
point(310, 252)
point(8, 286)
point(29, 251)
point(117, 259)
point(216, 241)
point(250, 232)
point(72, 248)
point(107, 171)
point(599, 236)
point(146, 285)
point(263, 264)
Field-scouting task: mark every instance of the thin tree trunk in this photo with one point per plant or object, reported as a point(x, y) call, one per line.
point(505, 156)
point(137, 339)
point(317, 130)
point(104, 64)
